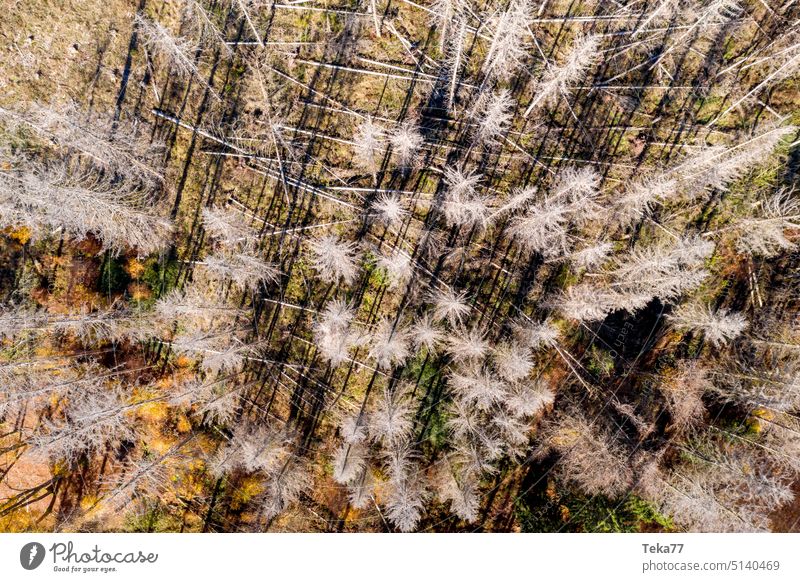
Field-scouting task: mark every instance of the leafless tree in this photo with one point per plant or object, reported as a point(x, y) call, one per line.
point(179, 52)
point(463, 204)
point(589, 456)
point(114, 145)
point(349, 462)
point(476, 386)
point(369, 144)
point(407, 144)
point(389, 344)
point(45, 198)
point(284, 485)
point(512, 361)
point(398, 267)
point(334, 259)
point(391, 419)
point(389, 208)
point(451, 306)
point(683, 392)
point(467, 344)
point(544, 226)
point(528, 399)
point(245, 271)
point(91, 420)
point(719, 327)
point(493, 115)
point(508, 47)
point(332, 334)
point(361, 490)
point(425, 334)
point(460, 490)
point(765, 235)
point(558, 80)
point(229, 227)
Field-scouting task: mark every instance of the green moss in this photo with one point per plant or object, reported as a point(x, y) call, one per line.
point(436, 434)
point(153, 517)
point(730, 49)
point(159, 275)
point(113, 277)
point(422, 367)
point(600, 362)
point(577, 513)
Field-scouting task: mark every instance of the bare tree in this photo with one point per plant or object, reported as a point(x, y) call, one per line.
point(450, 306)
point(91, 420)
point(719, 327)
point(332, 334)
point(407, 144)
point(765, 235)
point(179, 52)
point(460, 490)
point(284, 485)
point(389, 344)
point(683, 392)
point(114, 145)
point(508, 47)
point(476, 386)
point(544, 226)
point(493, 115)
point(425, 334)
point(389, 209)
point(467, 344)
point(48, 197)
point(349, 463)
point(463, 204)
point(512, 361)
point(245, 271)
point(557, 81)
point(391, 419)
point(334, 259)
point(589, 456)
point(369, 144)
point(227, 226)
point(398, 267)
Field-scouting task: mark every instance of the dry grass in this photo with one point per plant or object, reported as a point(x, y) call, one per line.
point(60, 50)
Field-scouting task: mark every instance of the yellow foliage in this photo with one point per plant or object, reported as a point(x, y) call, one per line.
point(189, 482)
point(88, 501)
point(134, 268)
point(566, 437)
point(183, 424)
point(756, 422)
point(249, 488)
point(163, 383)
point(22, 521)
point(154, 412)
point(21, 234)
point(754, 425)
point(763, 413)
point(159, 445)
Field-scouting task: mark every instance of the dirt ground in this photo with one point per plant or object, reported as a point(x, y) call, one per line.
point(64, 50)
